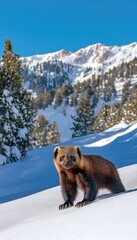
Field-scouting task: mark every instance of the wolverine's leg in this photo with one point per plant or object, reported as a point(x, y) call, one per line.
point(115, 185)
point(69, 191)
point(90, 190)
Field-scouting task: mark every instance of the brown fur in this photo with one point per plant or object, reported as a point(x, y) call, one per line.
point(88, 172)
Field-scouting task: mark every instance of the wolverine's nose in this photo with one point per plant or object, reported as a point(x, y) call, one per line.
point(68, 162)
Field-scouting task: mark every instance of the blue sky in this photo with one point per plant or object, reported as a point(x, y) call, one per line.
point(43, 26)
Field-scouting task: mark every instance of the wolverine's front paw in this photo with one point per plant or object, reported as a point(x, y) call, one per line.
point(82, 203)
point(65, 205)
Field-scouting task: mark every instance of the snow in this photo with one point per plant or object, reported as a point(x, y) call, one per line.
point(108, 140)
point(16, 152)
point(6, 92)
point(64, 122)
point(6, 127)
point(47, 57)
point(2, 159)
point(7, 150)
point(22, 132)
point(97, 56)
point(37, 216)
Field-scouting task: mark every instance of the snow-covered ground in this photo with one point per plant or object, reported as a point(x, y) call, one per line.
point(64, 122)
point(37, 216)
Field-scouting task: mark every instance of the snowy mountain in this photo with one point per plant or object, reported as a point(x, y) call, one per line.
point(37, 216)
point(103, 71)
point(55, 68)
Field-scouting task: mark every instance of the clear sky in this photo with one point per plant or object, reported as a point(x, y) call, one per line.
point(43, 26)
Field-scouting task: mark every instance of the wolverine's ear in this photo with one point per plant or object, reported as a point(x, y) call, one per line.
point(56, 150)
point(78, 150)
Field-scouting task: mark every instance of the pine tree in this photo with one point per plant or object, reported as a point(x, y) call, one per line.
point(84, 118)
point(25, 122)
point(126, 92)
point(8, 128)
point(101, 119)
point(11, 68)
point(53, 135)
point(108, 117)
point(15, 105)
point(40, 131)
point(58, 98)
point(114, 116)
point(130, 108)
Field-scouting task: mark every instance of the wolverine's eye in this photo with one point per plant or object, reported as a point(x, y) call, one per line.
point(61, 158)
point(72, 158)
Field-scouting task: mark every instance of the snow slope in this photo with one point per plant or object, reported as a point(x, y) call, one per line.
point(37, 171)
point(37, 216)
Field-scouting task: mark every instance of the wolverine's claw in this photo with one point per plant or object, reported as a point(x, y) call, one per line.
point(82, 203)
point(65, 205)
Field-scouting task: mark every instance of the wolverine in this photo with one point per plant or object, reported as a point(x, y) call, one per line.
point(88, 172)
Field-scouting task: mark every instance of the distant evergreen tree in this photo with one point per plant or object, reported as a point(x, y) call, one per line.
point(101, 119)
point(40, 131)
point(53, 135)
point(73, 101)
point(82, 124)
point(45, 134)
point(58, 98)
point(67, 89)
point(108, 117)
point(130, 107)
point(130, 110)
point(16, 113)
point(134, 92)
point(114, 116)
point(126, 91)
point(134, 66)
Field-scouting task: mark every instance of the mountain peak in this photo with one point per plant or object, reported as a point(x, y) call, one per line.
point(98, 58)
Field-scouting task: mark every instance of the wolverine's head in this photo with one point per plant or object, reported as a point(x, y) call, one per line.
point(67, 156)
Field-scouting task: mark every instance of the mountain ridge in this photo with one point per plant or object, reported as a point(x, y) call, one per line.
point(75, 66)
point(67, 52)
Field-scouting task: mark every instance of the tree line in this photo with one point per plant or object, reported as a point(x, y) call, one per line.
point(86, 122)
